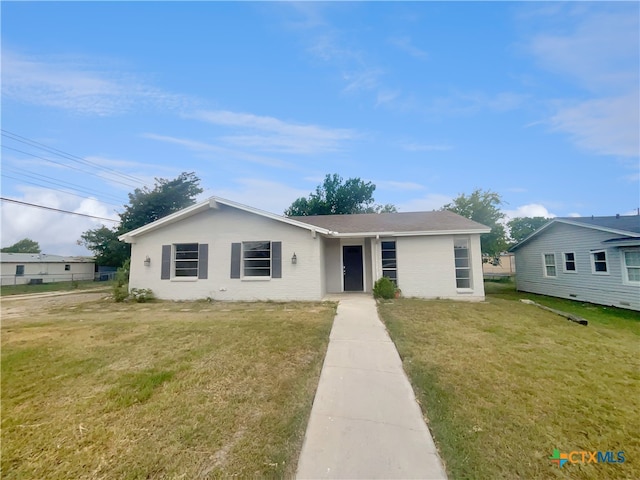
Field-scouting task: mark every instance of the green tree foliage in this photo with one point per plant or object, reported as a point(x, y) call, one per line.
point(521, 228)
point(483, 207)
point(338, 197)
point(145, 206)
point(26, 245)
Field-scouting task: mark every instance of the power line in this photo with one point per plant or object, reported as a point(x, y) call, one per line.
point(68, 166)
point(11, 200)
point(59, 183)
point(68, 156)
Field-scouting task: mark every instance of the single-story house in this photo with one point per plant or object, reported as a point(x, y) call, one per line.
point(591, 259)
point(23, 268)
point(506, 266)
point(224, 250)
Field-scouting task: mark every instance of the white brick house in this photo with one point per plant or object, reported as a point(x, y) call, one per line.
point(223, 250)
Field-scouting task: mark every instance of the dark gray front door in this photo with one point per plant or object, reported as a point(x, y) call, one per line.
point(352, 268)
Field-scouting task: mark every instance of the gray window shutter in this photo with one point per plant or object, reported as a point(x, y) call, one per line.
point(236, 250)
point(203, 261)
point(276, 259)
point(165, 272)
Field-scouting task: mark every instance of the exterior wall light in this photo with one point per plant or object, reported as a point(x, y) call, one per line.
point(147, 261)
point(294, 259)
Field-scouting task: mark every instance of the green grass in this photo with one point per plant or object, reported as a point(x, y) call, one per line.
point(503, 383)
point(160, 390)
point(52, 287)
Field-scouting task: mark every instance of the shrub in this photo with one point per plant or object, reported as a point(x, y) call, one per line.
point(120, 292)
point(141, 295)
point(121, 287)
point(384, 288)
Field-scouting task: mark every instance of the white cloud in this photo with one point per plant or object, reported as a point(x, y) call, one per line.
point(216, 152)
point(528, 210)
point(468, 103)
point(266, 195)
point(398, 186)
point(606, 126)
point(431, 201)
point(78, 84)
point(406, 45)
point(425, 147)
point(57, 233)
point(597, 49)
point(600, 51)
point(271, 134)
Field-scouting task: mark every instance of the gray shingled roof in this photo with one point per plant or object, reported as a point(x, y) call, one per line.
point(627, 223)
point(392, 222)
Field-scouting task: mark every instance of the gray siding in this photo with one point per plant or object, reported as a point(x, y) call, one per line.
point(583, 284)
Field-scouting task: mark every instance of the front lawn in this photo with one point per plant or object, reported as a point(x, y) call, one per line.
point(503, 383)
point(160, 390)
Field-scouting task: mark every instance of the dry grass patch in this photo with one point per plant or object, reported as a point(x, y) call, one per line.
point(504, 383)
point(161, 390)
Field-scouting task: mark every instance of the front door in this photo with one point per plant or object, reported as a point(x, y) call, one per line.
point(352, 268)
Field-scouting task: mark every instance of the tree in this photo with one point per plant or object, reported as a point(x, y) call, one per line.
point(168, 196)
point(337, 197)
point(520, 228)
point(145, 206)
point(26, 245)
point(483, 207)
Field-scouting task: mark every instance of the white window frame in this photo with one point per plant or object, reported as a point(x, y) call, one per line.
point(175, 260)
point(457, 248)
point(593, 262)
point(546, 266)
point(389, 269)
point(244, 259)
point(565, 261)
point(625, 267)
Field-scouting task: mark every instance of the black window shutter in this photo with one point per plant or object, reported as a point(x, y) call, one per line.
point(165, 272)
point(203, 261)
point(276, 259)
point(236, 250)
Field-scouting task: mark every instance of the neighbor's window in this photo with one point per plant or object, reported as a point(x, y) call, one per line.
point(549, 264)
point(463, 265)
point(632, 265)
point(186, 260)
point(570, 262)
point(256, 258)
point(599, 262)
point(67, 267)
point(19, 270)
point(389, 261)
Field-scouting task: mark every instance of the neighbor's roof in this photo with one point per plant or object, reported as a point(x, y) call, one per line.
point(41, 258)
point(627, 226)
point(395, 223)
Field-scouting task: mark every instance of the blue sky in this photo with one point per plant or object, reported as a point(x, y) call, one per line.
point(536, 101)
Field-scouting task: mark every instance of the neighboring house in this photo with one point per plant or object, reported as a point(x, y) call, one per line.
point(594, 259)
point(22, 268)
point(223, 250)
point(506, 267)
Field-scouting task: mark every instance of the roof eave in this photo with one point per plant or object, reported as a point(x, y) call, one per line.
point(213, 202)
point(421, 233)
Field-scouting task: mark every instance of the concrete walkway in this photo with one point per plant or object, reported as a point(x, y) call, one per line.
point(365, 422)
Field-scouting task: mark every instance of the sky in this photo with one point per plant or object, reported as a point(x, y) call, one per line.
point(538, 102)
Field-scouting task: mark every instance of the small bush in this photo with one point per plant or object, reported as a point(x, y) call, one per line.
point(384, 288)
point(141, 295)
point(120, 292)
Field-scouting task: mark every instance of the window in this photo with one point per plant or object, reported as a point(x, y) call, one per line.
point(463, 266)
point(389, 261)
point(19, 270)
point(256, 258)
point(599, 262)
point(67, 267)
point(632, 265)
point(549, 264)
point(186, 260)
point(570, 262)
